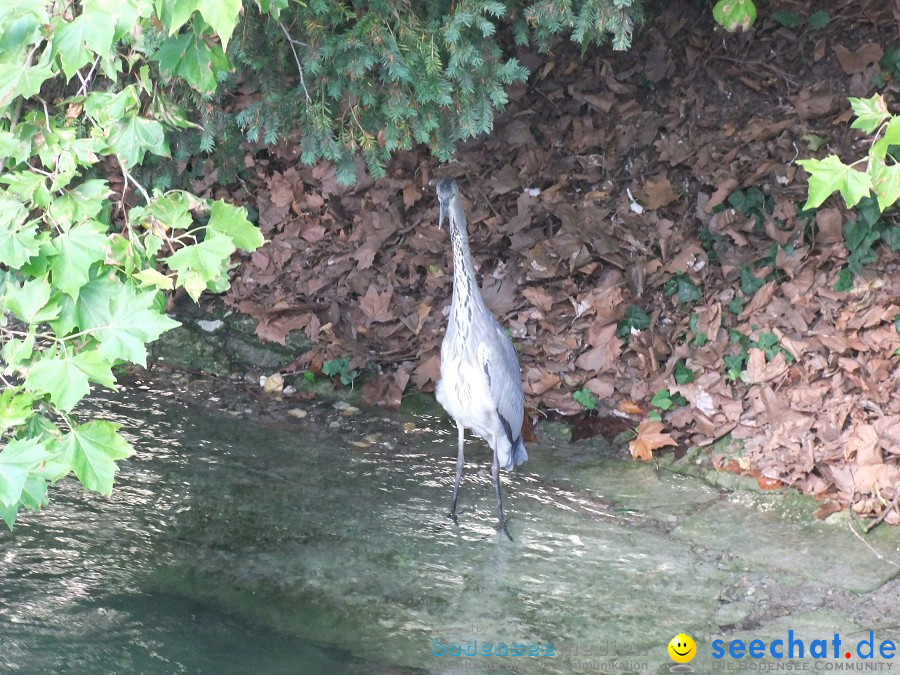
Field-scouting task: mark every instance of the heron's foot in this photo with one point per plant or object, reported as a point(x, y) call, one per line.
point(452, 516)
point(501, 527)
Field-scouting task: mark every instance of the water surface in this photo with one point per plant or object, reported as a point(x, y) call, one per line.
point(322, 545)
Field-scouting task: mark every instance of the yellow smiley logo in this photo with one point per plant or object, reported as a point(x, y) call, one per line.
point(682, 648)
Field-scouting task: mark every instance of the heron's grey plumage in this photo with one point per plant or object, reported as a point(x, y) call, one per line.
point(481, 384)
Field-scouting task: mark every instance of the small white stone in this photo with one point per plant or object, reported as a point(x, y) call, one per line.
point(210, 326)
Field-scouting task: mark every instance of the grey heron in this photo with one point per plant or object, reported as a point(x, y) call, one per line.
point(481, 383)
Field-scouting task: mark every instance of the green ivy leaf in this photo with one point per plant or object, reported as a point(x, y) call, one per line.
point(16, 352)
point(17, 460)
point(885, 182)
point(170, 211)
point(175, 14)
point(786, 18)
point(683, 374)
point(190, 57)
point(12, 213)
point(132, 324)
point(662, 400)
point(635, 321)
point(61, 379)
point(683, 288)
point(76, 250)
point(198, 264)
point(818, 20)
point(870, 112)
point(91, 309)
point(18, 245)
point(80, 204)
point(30, 302)
point(831, 174)
point(735, 14)
point(232, 222)
point(34, 493)
point(814, 142)
point(891, 137)
point(585, 398)
point(15, 408)
point(9, 515)
point(26, 82)
point(134, 136)
point(154, 278)
point(92, 450)
point(221, 15)
point(76, 42)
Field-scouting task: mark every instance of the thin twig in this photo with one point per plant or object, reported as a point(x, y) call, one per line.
point(86, 79)
point(129, 177)
point(884, 514)
point(297, 59)
point(17, 113)
point(870, 547)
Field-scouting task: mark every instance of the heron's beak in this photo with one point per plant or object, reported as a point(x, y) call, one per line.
point(442, 214)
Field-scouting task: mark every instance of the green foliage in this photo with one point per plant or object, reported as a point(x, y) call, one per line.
point(881, 174)
point(860, 238)
point(683, 374)
point(665, 400)
point(81, 274)
point(683, 288)
point(699, 338)
point(736, 304)
point(357, 80)
point(733, 15)
point(585, 398)
point(750, 283)
point(634, 322)
point(768, 343)
point(340, 368)
point(890, 62)
point(753, 204)
point(819, 19)
point(786, 18)
point(872, 191)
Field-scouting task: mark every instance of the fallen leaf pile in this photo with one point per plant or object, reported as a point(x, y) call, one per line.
point(589, 197)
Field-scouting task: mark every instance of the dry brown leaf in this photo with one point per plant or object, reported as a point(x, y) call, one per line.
point(539, 297)
point(538, 380)
point(830, 223)
point(857, 61)
point(812, 105)
point(760, 299)
point(650, 437)
point(658, 192)
point(862, 445)
point(376, 306)
point(411, 194)
point(313, 233)
point(631, 408)
point(428, 372)
point(386, 390)
point(759, 371)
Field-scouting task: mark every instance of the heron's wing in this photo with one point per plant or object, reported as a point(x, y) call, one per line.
point(500, 364)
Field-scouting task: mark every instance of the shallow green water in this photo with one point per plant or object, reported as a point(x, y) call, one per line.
point(230, 547)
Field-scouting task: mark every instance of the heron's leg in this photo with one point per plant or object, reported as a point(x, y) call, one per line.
point(495, 474)
point(460, 458)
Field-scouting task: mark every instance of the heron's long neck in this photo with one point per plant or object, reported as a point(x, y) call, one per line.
point(466, 294)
